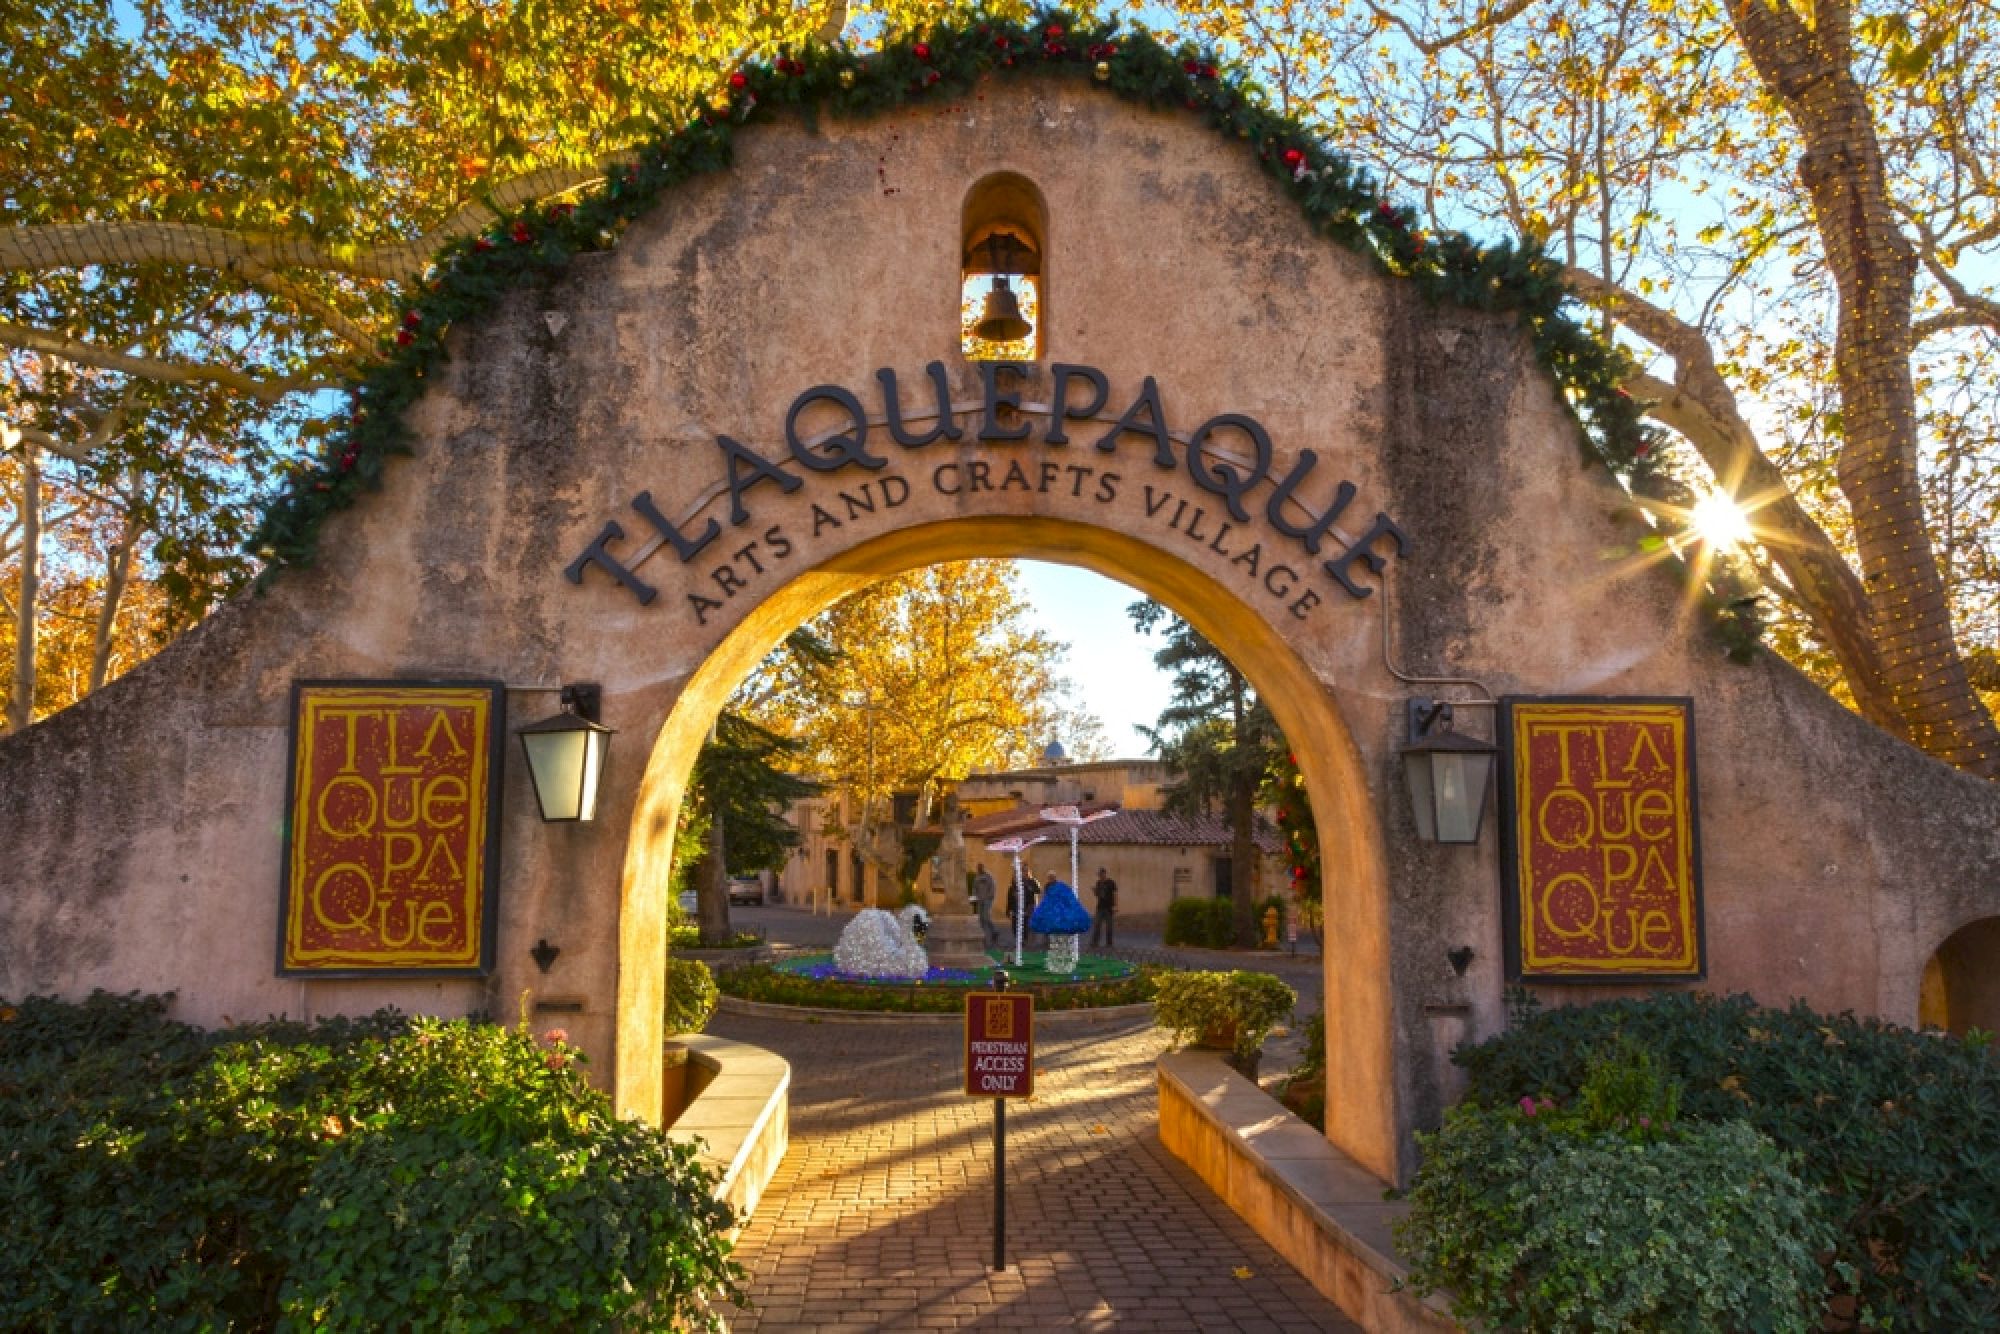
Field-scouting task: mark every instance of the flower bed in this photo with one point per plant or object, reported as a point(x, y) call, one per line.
point(800, 982)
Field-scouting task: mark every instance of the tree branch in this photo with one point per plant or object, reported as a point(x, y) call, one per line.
point(1487, 20)
point(79, 245)
point(1701, 407)
point(151, 368)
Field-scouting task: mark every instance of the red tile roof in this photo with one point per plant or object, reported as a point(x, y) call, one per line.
point(1145, 828)
point(1005, 824)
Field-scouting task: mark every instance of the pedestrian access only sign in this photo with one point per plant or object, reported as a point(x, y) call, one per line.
point(1000, 1044)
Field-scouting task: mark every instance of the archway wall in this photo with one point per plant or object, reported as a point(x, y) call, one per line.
point(142, 826)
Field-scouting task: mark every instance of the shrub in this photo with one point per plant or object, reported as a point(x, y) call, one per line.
point(1303, 1088)
point(498, 1193)
point(691, 995)
point(1544, 1228)
point(160, 1177)
point(1204, 923)
point(1900, 1131)
point(687, 936)
point(1195, 1005)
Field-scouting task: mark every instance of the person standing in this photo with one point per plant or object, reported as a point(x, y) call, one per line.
point(1106, 890)
point(982, 899)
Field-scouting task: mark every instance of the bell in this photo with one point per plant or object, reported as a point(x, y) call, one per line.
point(1001, 321)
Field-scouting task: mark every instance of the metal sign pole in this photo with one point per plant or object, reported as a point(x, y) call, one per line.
point(1000, 981)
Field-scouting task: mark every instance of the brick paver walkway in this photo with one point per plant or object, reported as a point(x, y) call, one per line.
point(881, 1216)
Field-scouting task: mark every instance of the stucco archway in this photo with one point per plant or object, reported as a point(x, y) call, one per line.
point(567, 456)
point(1961, 982)
point(1361, 1085)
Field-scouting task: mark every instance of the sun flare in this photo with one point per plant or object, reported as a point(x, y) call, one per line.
point(1721, 522)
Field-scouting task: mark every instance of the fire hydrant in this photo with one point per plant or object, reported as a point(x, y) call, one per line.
point(1270, 928)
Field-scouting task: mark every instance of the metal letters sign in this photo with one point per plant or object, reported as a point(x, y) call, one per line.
point(392, 829)
point(1600, 840)
point(1000, 1044)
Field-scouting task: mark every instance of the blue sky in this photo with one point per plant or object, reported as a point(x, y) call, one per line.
point(1110, 662)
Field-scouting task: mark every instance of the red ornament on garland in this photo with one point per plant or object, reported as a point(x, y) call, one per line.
point(404, 338)
point(411, 319)
point(922, 50)
point(739, 81)
point(482, 244)
point(1294, 158)
point(520, 233)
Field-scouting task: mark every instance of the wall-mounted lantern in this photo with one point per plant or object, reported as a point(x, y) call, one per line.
point(1450, 776)
point(566, 755)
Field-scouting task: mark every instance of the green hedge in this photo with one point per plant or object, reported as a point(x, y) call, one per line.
point(1204, 923)
point(385, 1172)
point(1899, 1132)
point(1584, 1228)
point(775, 986)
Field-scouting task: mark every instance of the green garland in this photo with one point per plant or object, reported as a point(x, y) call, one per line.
point(1284, 790)
point(1340, 202)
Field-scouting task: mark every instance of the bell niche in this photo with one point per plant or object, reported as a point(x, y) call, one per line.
point(1003, 299)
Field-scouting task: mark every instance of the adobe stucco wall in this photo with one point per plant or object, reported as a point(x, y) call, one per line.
point(139, 832)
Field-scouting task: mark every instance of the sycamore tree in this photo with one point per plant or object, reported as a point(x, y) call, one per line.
point(1789, 213)
point(937, 672)
point(209, 214)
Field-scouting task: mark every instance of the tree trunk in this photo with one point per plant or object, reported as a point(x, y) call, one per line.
point(1874, 270)
point(1243, 860)
point(117, 574)
point(21, 700)
point(712, 889)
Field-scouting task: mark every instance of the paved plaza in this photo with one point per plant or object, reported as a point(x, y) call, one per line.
point(881, 1216)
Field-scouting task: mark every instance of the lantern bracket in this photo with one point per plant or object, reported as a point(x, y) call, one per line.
point(585, 700)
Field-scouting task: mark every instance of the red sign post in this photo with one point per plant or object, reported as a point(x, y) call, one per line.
point(999, 1064)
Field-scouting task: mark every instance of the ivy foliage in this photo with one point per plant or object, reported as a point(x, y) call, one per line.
point(1340, 202)
point(1537, 1228)
point(1897, 1132)
point(376, 1173)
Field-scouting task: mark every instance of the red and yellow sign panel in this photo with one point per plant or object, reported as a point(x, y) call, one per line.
point(392, 828)
point(1600, 847)
point(1000, 1044)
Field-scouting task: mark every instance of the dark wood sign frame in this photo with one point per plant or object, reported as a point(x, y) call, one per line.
point(1511, 850)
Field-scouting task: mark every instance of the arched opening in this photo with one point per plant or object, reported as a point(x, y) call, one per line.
point(1361, 1097)
point(1003, 294)
point(1961, 983)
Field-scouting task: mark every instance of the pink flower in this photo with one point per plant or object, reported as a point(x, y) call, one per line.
point(556, 1035)
point(1527, 1106)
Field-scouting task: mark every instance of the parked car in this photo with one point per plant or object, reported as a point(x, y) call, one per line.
point(690, 903)
point(746, 889)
